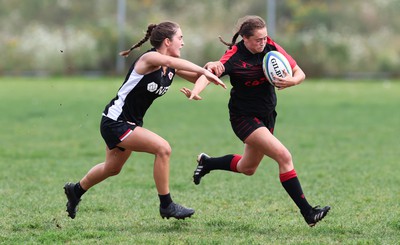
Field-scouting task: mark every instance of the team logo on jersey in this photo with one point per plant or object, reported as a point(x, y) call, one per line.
point(151, 87)
point(170, 75)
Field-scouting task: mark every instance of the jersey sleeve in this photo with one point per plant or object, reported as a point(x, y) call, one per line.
point(292, 61)
point(225, 59)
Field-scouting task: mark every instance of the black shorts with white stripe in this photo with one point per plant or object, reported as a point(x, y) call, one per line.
point(113, 132)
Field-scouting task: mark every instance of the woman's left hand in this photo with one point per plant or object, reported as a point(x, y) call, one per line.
point(284, 82)
point(289, 81)
point(189, 94)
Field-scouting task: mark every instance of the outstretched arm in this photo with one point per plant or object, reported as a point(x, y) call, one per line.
point(152, 60)
point(199, 86)
point(193, 77)
point(200, 83)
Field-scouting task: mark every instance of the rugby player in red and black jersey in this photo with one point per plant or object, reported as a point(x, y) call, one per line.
point(252, 112)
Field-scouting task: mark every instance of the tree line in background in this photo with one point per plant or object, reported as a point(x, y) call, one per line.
point(326, 37)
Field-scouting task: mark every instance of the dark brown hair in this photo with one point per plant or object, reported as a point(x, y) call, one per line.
point(245, 27)
point(156, 34)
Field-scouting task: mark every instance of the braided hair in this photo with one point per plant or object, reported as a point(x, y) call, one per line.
point(157, 33)
point(245, 27)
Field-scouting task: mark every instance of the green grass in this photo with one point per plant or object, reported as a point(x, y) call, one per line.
point(343, 135)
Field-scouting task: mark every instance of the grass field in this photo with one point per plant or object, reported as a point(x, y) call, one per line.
point(344, 137)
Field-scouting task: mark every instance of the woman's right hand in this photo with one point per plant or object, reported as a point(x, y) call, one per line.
point(215, 67)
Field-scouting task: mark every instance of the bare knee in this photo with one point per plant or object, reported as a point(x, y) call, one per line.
point(284, 159)
point(115, 160)
point(164, 150)
point(113, 170)
point(248, 167)
point(249, 171)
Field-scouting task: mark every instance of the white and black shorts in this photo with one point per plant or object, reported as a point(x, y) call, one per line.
point(113, 132)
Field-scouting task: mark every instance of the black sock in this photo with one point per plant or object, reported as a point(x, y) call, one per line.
point(79, 191)
point(165, 200)
point(292, 186)
point(227, 162)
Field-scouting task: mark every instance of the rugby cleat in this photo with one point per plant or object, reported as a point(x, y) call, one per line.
point(315, 215)
point(176, 211)
point(200, 171)
point(73, 200)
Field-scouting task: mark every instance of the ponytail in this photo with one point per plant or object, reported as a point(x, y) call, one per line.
point(146, 37)
point(233, 42)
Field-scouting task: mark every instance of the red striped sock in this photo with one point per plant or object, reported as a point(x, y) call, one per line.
point(292, 186)
point(288, 175)
point(234, 162)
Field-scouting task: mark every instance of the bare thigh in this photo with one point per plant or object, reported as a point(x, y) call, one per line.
point(263, 142)
point(143, 140)
point(140, 140)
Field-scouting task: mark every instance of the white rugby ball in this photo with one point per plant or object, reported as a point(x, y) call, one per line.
point(273, 65)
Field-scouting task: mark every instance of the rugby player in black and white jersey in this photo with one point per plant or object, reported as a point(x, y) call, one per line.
point(149, 77)
point(252, 112)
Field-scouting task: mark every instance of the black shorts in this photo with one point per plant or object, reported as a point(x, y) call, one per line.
point(243, 126)
point(113, 132)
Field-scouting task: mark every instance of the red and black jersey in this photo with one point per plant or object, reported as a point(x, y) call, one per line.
point(251, 93)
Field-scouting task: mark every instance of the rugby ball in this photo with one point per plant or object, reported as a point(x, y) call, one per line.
point(273, 65)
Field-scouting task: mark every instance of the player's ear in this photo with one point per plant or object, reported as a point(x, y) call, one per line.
point(167, 42)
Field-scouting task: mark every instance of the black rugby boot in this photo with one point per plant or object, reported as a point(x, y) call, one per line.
point(315, 215)
point(176, 211)
point(200, 170)
point(73, 200)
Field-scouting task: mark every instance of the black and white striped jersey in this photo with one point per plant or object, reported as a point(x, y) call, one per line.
point(137, 93)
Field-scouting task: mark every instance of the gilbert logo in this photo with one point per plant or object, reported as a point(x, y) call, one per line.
point(276, 67)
